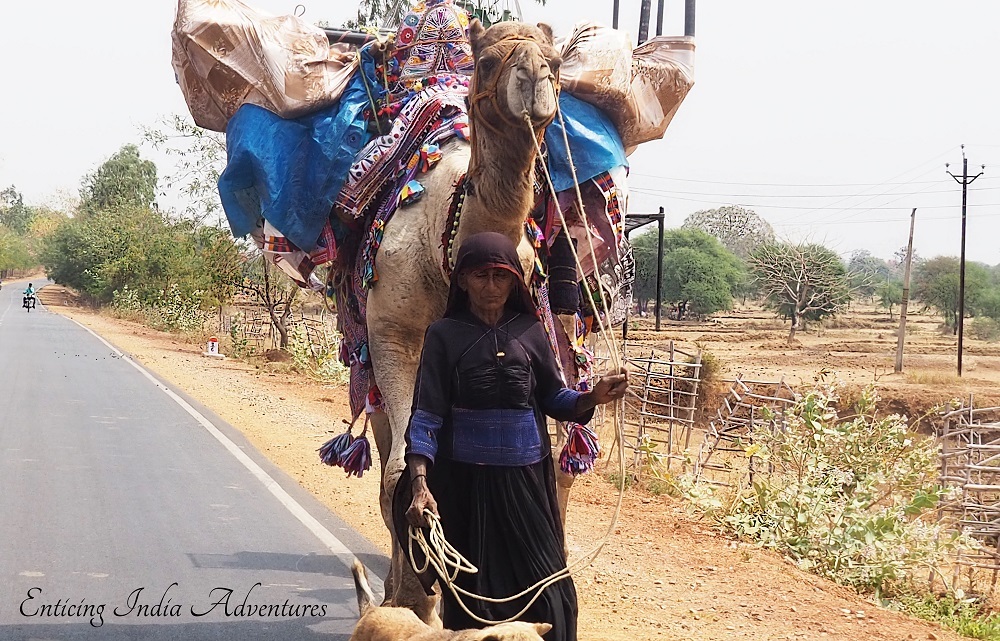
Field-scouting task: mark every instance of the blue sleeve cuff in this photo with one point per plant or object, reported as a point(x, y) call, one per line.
point(562, 404)
point(423, 430)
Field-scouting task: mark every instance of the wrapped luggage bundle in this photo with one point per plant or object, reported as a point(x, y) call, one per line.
point(639, 90)
point(226, 54)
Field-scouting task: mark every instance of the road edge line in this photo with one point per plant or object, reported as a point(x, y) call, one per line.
point(328, 538)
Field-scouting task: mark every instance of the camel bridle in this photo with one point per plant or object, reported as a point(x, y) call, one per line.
point(490, 93)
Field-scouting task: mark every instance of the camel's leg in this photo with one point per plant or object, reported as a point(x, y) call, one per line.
point(402, 587)
point(382, 432)
point(398, 314)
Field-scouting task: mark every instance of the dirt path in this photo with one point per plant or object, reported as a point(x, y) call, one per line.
point(663, 575)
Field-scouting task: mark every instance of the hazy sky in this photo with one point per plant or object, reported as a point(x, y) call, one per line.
point(830, 119)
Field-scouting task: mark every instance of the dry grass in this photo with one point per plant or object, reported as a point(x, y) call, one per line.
point(932, 377)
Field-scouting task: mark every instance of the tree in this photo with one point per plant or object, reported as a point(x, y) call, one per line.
point(200, 157)
point(890, 293)
point(123, 181)
point(14, 252)
point(699, 275)
point(14, 214)
point(936, 284)
point(802, 282)
point(644, 250)
point(738, 228)
point(271, 288)
point(866, 273)
point(375, 13)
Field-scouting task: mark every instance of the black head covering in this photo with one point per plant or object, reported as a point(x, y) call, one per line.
point(483, 250)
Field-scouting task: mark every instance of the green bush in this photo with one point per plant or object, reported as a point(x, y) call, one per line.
point(964, 616)
point(319, 359)
point(848, 498)
point(173, 312)
point(985, 328)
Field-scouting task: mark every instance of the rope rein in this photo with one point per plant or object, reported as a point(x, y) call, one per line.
point(439, 554)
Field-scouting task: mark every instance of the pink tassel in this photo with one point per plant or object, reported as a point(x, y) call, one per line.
point(357, 459)
point(581, 450)
point(332, 451)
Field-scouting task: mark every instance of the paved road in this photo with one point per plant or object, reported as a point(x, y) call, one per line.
point(115, 499)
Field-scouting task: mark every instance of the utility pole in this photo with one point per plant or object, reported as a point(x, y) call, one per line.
point(644, 10)
point(614, 15)
point(659, 17)
point(659, 268)
point(965, 182)
point(689, 6)
point(906, 295)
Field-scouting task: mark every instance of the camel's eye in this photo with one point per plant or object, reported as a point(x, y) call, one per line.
point(555, 63)
point(487, 64)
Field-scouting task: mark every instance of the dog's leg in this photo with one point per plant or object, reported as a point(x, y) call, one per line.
point(366, 600)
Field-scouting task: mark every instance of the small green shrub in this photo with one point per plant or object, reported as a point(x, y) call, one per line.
point(850, 499)
point(319, 359)
point(964, 616)
point(985, 328)
point(174, 311)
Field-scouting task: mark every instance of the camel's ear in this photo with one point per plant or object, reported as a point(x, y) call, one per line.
point(547, 30)
point(542, 628)
point(476, 32)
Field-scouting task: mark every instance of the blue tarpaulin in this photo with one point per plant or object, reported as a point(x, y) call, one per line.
point(289, 171)
point(593, 140)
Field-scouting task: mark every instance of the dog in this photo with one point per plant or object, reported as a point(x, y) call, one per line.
point(401, 624)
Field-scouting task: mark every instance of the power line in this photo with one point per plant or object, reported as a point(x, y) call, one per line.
point(754, 184)
point(668, 192)
point(655, 192)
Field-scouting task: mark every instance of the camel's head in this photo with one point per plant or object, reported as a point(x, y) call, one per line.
point(517, 73)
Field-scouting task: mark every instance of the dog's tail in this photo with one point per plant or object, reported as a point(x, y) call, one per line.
point(366, 600)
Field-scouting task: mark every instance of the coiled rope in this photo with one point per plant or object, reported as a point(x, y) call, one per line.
point(439, 554)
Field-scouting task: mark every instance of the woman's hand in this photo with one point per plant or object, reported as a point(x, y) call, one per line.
point(610, 387)
point(422, 500)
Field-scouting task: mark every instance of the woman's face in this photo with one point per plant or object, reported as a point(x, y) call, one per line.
point(488, 288)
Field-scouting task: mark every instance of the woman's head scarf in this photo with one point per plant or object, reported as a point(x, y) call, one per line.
point(484, 251)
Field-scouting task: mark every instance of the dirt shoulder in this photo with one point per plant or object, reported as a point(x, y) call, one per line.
point(663, 575)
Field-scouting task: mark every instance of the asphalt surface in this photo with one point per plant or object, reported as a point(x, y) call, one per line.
point(123, 516)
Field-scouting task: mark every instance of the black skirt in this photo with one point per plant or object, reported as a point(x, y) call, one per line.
point(505, 521)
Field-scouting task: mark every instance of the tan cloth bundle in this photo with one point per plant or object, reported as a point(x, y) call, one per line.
point(226, 54)
point(639, 90)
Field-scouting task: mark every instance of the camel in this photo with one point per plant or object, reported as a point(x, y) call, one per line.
point(516, 73)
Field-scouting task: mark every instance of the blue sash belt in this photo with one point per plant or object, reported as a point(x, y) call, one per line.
point(495, 437)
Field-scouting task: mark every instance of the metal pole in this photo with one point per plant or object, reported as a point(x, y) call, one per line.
point(906, 295)
point(961, 265)
point(628, 312)
point(644, 9)
point(659, 270)
point(614, 16)
point(689, 18)
point(659, 27)
point(966, 181)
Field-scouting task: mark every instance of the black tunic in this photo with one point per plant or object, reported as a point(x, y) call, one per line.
point(496, 494)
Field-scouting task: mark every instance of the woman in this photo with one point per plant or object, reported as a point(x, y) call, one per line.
point(478, 451)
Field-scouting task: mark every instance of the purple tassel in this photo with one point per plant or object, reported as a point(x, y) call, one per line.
point(333, 451)
point(581, 450)
point(357, 459)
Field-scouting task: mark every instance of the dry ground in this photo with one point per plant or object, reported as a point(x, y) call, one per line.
point(857, 348)
point(663, 575)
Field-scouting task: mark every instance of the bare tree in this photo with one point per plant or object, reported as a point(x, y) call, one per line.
point(275, 291)
point(739, 229)
point(199, 157)
point(803, 282)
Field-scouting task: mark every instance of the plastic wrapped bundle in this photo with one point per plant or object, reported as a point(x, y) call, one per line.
point(226, 54)
point(640, 89)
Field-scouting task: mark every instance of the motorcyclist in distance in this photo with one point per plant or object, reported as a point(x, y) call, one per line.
point(29, 295)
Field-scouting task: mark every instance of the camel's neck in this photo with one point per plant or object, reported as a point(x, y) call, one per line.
point(501, 177)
